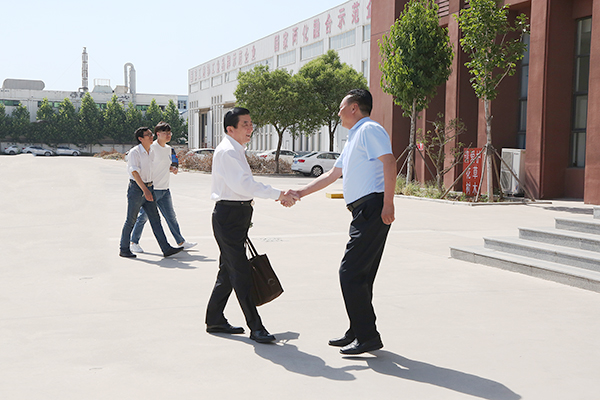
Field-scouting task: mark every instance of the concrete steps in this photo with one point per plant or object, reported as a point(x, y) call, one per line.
point(569, 253)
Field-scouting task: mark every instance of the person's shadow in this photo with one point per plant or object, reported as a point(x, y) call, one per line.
point(289, 357)
point(392, 364)
point(381, 361)
point(182, 260)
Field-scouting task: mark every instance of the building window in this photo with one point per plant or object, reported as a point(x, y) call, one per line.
point(366, 31)
point(343, 40)
point(205, 84)
point(181, 104)
point(194, 87)
point(523, 87)
point(365, 68)
point(217, 80)
point(580, 91)
point(231, 76)
point(312, 50)
point(286, 58)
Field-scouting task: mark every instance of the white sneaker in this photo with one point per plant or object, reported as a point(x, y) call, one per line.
point(136, 248)
point(187, 245)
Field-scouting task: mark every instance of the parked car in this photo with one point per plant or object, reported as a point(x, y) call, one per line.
point(12, 150)
point(66, 151)
point(37, 150)
point(315, 163)
point(287, 155)
point(202, 152)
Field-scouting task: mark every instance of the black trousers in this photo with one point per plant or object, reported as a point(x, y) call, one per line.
point(359, 266)
point(230, 227)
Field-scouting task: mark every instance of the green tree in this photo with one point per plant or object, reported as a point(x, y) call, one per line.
point(67, 121)
point(90, 121)
point(20, 124)
point(274, 98)
point(329, 80)
point(45, 126)
point(494, 47)
point(4, 122)
point(153, 115)
point(416, 58)
point(133, 120)
point(171, 115)
point(115, 126)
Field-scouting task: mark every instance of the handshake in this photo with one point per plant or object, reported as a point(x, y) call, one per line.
point(288, 198)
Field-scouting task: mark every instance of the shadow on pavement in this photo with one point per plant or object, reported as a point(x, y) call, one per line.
point(183, 260)
point(289, 357)
point(388, 363)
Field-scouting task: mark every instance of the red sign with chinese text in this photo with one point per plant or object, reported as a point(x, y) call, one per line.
point(472, 176)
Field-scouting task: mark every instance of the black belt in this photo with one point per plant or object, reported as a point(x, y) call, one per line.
point(149, 184)
point(245, 203)
point(352, 206)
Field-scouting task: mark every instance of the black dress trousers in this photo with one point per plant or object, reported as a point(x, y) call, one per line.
point(230, 227)
point(359, 266)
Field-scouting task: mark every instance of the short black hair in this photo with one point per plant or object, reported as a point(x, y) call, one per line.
point(139, 132)
point(162, 126)
point(233, 117)
point(363, 98)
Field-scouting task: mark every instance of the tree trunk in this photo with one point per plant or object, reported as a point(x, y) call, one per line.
point(280, 134)
point(331, 136)
point(411, 142)
point(490, 154)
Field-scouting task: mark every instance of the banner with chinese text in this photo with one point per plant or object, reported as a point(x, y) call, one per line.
point(472, 176)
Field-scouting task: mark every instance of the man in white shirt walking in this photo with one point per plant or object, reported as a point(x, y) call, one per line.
point(140, 194)
point(233, 190)
point(161, 169)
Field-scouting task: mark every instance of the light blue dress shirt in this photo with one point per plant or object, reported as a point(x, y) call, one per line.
point(361, 168)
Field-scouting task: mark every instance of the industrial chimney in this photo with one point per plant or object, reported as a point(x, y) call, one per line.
point(131, 82)
point(84, 71)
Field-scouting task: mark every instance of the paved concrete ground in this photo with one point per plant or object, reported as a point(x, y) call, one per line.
point(79, 322)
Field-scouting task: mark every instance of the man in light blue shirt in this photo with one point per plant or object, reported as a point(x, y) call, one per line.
point(369, 170)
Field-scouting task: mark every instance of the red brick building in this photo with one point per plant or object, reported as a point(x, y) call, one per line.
point(549, 107)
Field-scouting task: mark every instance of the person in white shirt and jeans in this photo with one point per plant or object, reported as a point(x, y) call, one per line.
point(140, 195)
point(161, 169)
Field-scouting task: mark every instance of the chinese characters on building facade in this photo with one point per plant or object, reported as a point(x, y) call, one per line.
point(344, 16)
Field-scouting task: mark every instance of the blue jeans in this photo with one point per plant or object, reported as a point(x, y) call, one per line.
point(165, 205)
point(135, 202)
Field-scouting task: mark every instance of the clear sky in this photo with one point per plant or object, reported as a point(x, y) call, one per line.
point(43, 40)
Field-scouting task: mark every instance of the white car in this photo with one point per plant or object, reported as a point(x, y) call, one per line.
point(315, 163)
point(66, 151)
point(202, 152)
point(286, 155)
point(12, 150)
point(37, 150)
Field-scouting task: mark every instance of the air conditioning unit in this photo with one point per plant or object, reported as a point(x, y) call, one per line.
point(515, 159)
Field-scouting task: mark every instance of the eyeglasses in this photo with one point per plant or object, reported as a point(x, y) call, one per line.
point(150, 134)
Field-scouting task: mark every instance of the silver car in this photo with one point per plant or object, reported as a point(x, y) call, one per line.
point(12, 150)
point(37, 150)
point(66, 151)
point(315, 163)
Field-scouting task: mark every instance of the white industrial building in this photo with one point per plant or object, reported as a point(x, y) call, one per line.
point(30, 93)
point(345, 29)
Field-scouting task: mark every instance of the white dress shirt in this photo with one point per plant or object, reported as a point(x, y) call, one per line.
point(231, 175)
point(140, 160)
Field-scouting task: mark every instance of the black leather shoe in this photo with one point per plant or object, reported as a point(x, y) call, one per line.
point(342, 341)
point(172, 250)
point(224, 328)
point(127, 254)
point(358, 348)
point(262, 336)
